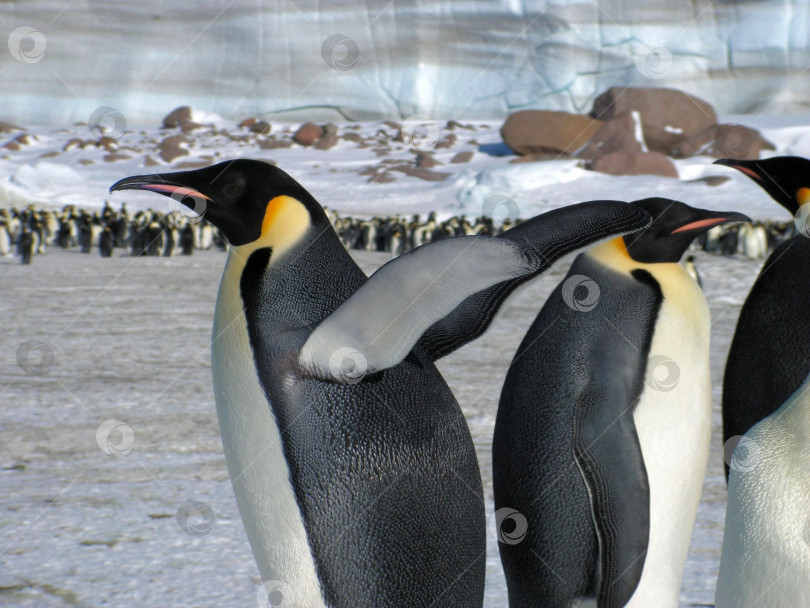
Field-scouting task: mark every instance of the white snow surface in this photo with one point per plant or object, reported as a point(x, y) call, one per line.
point(49, 173)
point(441, 58)
point(130, 339)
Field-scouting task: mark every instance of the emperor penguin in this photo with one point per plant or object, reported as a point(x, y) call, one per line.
point(351, 462)
point(770, 351)
point(766, 542)
point(602, 432)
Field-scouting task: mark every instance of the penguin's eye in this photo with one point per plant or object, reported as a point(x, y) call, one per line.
point(232, 190)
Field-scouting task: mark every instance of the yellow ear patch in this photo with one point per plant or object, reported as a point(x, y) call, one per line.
point(274, 207)
point(803, 196)
point(285, 221)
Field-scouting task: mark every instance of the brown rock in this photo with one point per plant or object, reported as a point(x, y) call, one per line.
point(421, 173)
point(425, 160)
point(247, 123)
point(17, 143)
point(111, 158)
point(394, 125)
point(725, 141)
point(49, 154)
point(272, 144)
point(6, 127)
point(462, 157)
point(170, 148)
point(543, 132)
point(453, 124)
point(381, 178)
point(447, 142)
point(24, 139)
point(150, 162)
point(177, 116)
point(355, 137)
point(702, 143)
point(307, 134)
point(711, 180)
point(86, 161)
point(262, 127)
point(107, 142)
point(616, 135)
point(198, 164)
point(668, 116)
point(327, 141)
point(330, 128)
point(73, 143)
point(640, 163)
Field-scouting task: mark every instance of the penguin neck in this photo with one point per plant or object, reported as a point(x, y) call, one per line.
point(676, 285)
point(307, 275)
point(614, 254)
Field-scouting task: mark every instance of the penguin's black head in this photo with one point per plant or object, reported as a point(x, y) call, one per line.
point(244, 198)
point(675, 225)
point(785, 178)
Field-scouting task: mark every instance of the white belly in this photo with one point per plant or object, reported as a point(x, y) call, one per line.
point(674, 428)
point(253, 453)
point(766, 544)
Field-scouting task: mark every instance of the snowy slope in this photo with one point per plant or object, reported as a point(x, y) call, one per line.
point(50, 171)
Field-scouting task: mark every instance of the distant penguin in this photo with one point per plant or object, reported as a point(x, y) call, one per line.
point(753, 241)
point(769, 355)
point(187, 239)
point(119, 229)
point(85, 235)
point(602, 432)
point(155, 237)
point(171, 241)
point(352, 465)
point(25, 245)
point(5, 241)
point(106, 242)
point(206, 235)
point(766, 542)
point(692, 270)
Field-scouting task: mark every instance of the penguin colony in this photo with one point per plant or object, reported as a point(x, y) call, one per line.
point(350, 459)
point(154, 233)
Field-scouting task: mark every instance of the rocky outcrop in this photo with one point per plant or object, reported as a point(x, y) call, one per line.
point(668, 116)
point(537, 132)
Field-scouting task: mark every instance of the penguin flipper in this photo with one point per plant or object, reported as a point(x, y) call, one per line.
point(380, 323)
point(544, 238)
point(608, 454)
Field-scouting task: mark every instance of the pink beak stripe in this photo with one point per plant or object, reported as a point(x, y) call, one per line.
point(748, 172)
point(172, 190)
point(700, 224)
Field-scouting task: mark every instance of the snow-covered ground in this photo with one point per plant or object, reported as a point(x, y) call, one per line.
point(51, 169)
point(130, 341)
point(89, 515)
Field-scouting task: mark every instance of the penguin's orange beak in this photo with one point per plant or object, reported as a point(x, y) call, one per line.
point(728, 162)
point(713, 220)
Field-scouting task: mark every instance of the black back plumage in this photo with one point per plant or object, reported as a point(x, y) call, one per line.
point(554, 373)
